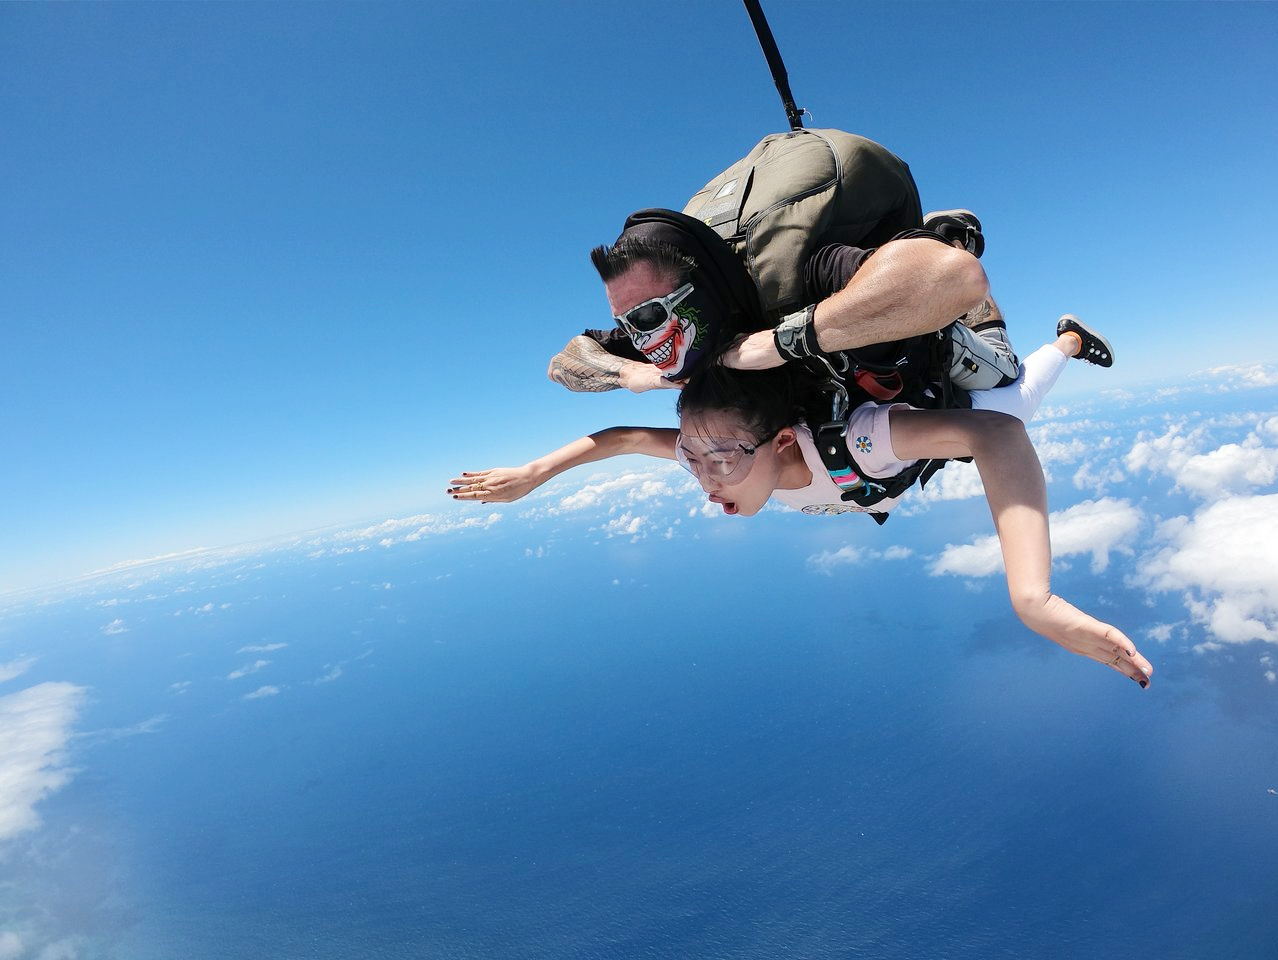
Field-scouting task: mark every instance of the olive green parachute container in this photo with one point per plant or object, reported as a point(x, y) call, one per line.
point(796, 192)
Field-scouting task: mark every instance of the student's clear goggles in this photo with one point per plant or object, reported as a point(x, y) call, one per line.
point(651, 314)
point(725, 459)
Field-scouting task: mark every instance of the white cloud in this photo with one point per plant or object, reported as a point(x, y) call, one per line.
point(1096, 527)
point(35, 725)
point(1233, 468)
point(980, 558)
point(333, 673)
point(388, 533)
point(1191, 459)
point(260, 692)
point(1098, 476)
point(150, 725)
point(631, 487)
point(1225, 561)
point(1246, 376)
point(15, 668)
point(626, 525)
point(114, 627)
point(827, 561)
point(11, 947)
point(958, 481)
point(261, 647)
point(1080, 442)
point(245, 670)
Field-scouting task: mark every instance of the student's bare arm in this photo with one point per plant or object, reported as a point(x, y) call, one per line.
point(909, 287)
point(1017, 495)
point(506, 484)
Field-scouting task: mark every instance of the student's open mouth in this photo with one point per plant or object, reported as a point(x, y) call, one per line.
point(729, 506)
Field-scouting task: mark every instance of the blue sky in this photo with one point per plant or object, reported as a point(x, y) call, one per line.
point(268, 267)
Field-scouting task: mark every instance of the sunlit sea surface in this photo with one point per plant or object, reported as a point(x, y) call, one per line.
point(469, 747)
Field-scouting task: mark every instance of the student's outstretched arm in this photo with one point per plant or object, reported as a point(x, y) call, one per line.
point(1017, 497)
point(505, 484)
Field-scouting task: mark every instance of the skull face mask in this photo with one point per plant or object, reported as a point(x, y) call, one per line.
point(676, 345)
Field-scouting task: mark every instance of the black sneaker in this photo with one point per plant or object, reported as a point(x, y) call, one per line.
point(1096, 349)
point(960, 225)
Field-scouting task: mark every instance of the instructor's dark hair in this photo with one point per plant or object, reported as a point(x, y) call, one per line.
point(667, 259)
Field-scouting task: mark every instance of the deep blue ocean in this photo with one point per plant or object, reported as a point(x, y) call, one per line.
point(477, 748)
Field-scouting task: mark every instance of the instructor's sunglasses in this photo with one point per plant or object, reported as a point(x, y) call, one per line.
point(651, 314)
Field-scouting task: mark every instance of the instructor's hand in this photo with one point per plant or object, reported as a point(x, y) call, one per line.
point(642, 377)
point(755, 351)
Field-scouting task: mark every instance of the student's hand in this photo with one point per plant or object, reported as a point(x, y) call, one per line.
point(755, 351)
point(1081, 633)
point(498, 485)
point(642, 377)
point(1115, 650)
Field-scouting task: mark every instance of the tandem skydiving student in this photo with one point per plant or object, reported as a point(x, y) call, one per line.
point(743, 437)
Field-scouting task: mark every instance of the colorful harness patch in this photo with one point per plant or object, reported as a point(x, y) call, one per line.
point(845, 479)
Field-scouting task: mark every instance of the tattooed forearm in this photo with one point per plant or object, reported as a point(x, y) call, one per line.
point(585, 367)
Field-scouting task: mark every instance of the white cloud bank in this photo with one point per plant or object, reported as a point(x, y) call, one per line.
point(389, 533)
point(1225, 560)
point(615, 491)
point(1231, 468)
point(1095, 527)
point(35, 725)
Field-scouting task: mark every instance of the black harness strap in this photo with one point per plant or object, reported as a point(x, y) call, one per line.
point(839, 387)
point(775, 64)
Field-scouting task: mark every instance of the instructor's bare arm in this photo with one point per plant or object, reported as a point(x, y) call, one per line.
point(1017, 495)
point(909, 287)
point(505, 484)
point(584, 366)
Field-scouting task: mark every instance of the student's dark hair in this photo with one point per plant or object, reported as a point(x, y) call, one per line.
point(665, 258)
point(765, 401)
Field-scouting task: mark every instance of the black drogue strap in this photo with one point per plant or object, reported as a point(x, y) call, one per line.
point(792, 113)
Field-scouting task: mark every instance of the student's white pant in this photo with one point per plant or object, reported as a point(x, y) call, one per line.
point(1021, 398)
